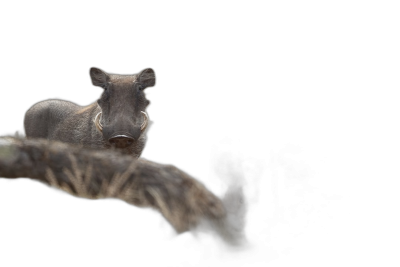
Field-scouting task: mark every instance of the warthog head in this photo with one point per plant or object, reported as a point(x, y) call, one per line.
point(123, 118)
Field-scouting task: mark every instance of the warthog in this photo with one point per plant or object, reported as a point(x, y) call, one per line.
point(118, 119)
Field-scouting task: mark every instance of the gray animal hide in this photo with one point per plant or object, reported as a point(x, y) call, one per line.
point(118, 119)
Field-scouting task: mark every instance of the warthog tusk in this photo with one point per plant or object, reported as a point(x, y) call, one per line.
point(144, 124)
point(98, 123)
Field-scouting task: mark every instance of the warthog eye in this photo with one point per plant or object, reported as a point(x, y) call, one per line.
point(107, 85)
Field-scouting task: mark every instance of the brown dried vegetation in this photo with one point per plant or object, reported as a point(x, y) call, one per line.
point(93, 174)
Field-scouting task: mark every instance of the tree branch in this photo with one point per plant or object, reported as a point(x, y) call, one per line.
point(181, 199)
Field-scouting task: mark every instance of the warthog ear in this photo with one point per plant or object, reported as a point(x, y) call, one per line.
point(147, 77)
point(99, 77)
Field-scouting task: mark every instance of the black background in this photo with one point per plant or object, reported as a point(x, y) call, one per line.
point(274, 109)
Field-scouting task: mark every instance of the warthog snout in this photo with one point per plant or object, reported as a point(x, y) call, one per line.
point(121, 141)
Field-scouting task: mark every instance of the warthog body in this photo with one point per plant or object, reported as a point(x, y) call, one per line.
point(118, 119)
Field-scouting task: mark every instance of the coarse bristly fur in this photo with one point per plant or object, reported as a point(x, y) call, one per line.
point(121, 105)
point(89, 173)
